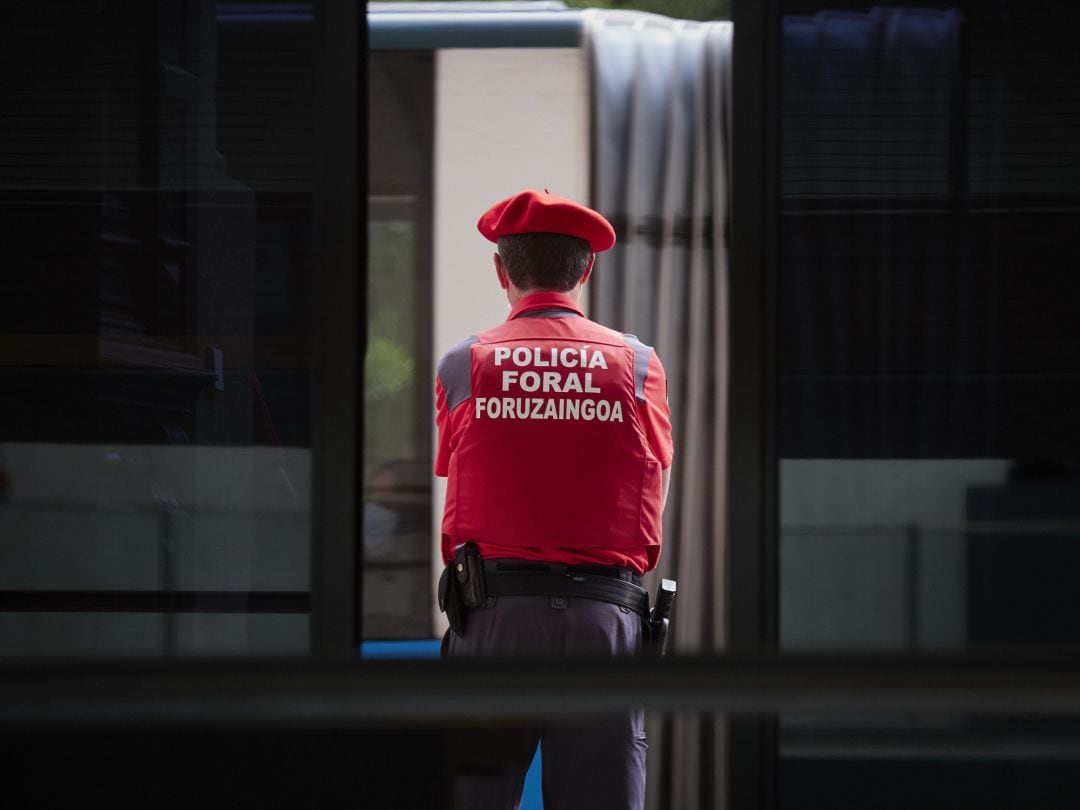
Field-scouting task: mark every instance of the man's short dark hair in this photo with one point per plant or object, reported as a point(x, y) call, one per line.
point(544, 261)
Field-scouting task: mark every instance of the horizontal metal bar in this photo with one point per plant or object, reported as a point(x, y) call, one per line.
point(430, 27)
point(344, 693)
point(434, 30)
point(74, 601)
point(152, 510)
point(973, 529)
point(956, 206)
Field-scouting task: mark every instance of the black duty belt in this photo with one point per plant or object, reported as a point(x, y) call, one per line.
point(525, 578)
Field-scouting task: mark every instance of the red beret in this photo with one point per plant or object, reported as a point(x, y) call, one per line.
point(543, 212)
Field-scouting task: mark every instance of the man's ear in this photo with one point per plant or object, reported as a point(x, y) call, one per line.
point(588, 270)
point(500, 271)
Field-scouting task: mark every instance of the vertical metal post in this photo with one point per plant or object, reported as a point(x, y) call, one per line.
point(339, 42)
point(752, 459)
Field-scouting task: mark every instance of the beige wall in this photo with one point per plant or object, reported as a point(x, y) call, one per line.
point(505, 120)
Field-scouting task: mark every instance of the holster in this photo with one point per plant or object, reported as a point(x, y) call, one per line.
point(469, 572)
point(656, 628)
point(656, 634)
point(461, 585)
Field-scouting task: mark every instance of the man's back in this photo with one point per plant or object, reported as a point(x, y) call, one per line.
point(549, 439)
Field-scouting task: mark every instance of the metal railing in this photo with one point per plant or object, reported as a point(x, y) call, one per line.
point(354, 693)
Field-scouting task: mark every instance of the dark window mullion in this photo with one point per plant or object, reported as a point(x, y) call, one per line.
point(340, 319)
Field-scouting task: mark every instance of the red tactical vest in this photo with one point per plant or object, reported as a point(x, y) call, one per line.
point(553, 454)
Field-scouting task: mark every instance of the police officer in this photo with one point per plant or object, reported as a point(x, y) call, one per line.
point(555, 436)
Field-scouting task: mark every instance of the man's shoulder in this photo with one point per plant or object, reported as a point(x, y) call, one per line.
point(456, 360)
point(635, 343)
point(461, 347)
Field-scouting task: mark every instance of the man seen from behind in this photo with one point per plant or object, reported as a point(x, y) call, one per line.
point(555, 437)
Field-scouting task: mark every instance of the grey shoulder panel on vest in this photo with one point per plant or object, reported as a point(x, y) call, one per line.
point(642, 356)
point(455, 372)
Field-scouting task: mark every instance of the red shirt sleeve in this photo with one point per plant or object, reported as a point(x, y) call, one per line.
point(655, 413)
point(450, 425)
point(442, 422)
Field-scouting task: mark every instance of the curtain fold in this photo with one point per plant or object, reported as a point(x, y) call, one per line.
point(661, 117)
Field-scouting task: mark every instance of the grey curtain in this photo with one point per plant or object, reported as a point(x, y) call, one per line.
point(661, 124)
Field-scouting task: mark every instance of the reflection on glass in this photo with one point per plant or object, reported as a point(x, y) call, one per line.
point(155, 208)
point(875, 554)
point(928, 384)
point(397, 504)
point(927, 332)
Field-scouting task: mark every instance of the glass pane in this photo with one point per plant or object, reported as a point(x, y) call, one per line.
point(398, 374)
point(927, 327)
point(928, 380)
point(155, 425)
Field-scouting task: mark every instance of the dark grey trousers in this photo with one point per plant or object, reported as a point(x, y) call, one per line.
point(594, 763)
